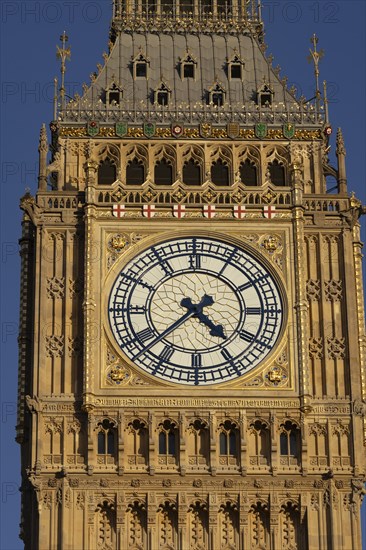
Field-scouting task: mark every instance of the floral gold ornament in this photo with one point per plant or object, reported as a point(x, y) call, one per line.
point(118, 374)
point(276, 376)
point(118, 243)
point(271, 243)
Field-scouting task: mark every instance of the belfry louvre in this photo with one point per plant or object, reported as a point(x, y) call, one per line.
point(192, 281)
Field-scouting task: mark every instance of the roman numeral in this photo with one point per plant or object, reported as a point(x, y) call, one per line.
point(166, 354)
point(253, 310)
point(246, 336)
point(145, 334)
point(247, 285)
point(196, 360)
point(195, 261)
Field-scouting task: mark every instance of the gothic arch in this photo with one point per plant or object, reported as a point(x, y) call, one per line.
point(290, 442)
point(277, 162)
point(167, 525)
point(165, 163)
point(221, 166)
point(248, 166)
point(193, 163)
point(137, 442)
point(136, 524)
point(290, 525)
point(228, 525)
point(259, 443)
point(109, 161)
point(105, 524)
point(136, 161)
point(197, 524)
point(259, 526)
point(198, 442)
point(229, 442)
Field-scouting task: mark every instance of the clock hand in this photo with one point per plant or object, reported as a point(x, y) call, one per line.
point(167, 331)
point(216, 330)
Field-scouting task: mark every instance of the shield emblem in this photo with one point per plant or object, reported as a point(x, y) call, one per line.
point(205, 129)
point(288, 130)
point(177, 130)
point(93, 128)
point(260, 130)
point(121, 129)
point(233, 130)
point(149, 129)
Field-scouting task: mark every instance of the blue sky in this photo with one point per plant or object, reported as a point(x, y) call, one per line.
point(30, 31)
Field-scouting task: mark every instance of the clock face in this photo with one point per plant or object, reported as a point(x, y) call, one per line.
point(196, 310)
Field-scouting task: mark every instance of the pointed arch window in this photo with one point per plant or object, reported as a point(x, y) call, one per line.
point(106, 437)
point(220, 173)
point(135, 172)
point(248, 173)
point(289, 439)
point(168, 438)
point(277, 173)
point(163, 172)
point(107, 172)
point(192, 173)
point(228, 437)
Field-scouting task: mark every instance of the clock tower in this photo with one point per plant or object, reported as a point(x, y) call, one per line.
point(192, 339)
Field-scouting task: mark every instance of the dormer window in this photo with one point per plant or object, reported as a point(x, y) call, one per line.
point(162, 94)
point(235, 67)
point(265, 96)
point(188, 67)
point(114, 95)
point(140, 65)
point(216, 95)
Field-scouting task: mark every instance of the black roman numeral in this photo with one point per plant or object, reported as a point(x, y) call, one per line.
point(253, 310)
point(145, 334)
point(196, 360)
point(166, 354)
point(246, 336)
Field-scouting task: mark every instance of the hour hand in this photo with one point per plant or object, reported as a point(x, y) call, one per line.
point(216, 330)
point(196, 310)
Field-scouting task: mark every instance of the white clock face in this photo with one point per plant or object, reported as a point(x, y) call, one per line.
point(196, 311)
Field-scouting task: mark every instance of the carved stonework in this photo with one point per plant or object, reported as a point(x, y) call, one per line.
point(75, 346)
point(333, 290)
point(313, 289)
point(316, 348)
point(55, 345)
point(118, 243)
point(55, 287)
point(336, 347)
point(75, 287)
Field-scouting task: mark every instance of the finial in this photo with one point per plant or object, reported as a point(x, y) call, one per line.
point(341, 156)
point(63, 54)
point(43, 150)
point(341, 150)
point(316, 56)
point(55, 98)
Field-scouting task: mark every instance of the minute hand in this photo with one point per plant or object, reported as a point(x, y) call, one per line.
point(167, 331)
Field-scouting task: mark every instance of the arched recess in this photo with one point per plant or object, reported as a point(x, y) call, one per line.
point(290, 443)
point(137, 443)
point(105, 524)
point(197, 524)
point(167, 525)
point(291, 533)
point(193, 166)
point(277, 167)
point(317, 446)
point(167, 442)
point(229, 439)
point(108, 157)
point(228, 525)
point(221, 166)
point(259, 443)
point(259, 527)
point(136, 525)
point(136, 165)
point(198, 443)
point(106, 441)
point(249, 167)
point(164, 165)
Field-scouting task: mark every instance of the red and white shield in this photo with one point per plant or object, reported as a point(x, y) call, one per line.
point(269, 211)
point(209, 211)
point(118, 210)
point(239, 211)
point(148, 210)
point(179, 210)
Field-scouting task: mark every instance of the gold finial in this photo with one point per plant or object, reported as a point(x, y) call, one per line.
point(55, 98)
point(63, 54)
point(316, 56)
point(326, 102)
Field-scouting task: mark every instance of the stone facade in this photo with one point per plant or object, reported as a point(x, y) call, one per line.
point(114, 458)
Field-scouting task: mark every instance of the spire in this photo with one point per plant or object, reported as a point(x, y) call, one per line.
point(63, 54)
point(43, 150)
point(316, 56)
point(341, 155)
